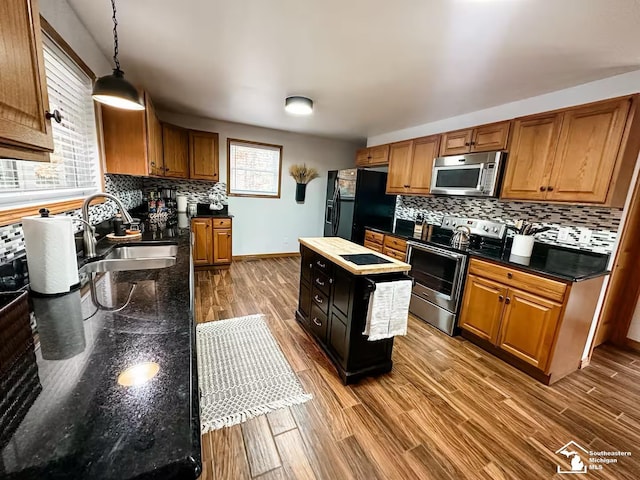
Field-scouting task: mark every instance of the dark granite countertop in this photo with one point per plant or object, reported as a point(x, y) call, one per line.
point(561, 263)
point(75, 420)
point(204, 211)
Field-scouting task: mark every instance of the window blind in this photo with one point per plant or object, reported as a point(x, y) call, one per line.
point(74, 167)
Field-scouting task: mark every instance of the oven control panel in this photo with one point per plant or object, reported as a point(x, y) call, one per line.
point(484, 228)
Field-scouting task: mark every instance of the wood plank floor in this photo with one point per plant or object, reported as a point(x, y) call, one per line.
point(448, 410)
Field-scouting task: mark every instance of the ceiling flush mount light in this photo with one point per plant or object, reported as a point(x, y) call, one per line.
point(113, 89)
point(138, 374)
point(298, 105)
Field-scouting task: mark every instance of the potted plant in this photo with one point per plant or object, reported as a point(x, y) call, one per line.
point(302, 175)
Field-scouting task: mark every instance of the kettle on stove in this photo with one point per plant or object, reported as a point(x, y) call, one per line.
point(461, 237)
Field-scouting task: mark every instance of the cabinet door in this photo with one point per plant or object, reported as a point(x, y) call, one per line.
point(533, 146)
point(304, 300)
point(23, 96)
point(125, 143)
point(203, 155)
point(528, 327)
point(482, 307)
point(399, 167)
point(201, 248)
point(175, 145)
point(154, 139)
point(425, 150)
point(306, 263)
point(456, 143)
point(221, 246)
point(362, 157)
point(587, 152)
point(337, 337)
point(379, 155)
point(490, 137)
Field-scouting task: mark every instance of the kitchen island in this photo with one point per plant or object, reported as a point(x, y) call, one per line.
point(90, 414)
point(334, 299)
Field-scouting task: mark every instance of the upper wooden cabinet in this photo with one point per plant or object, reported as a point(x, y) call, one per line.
point(533, 146)
point(583, 154)
point(203, 155)
point(132, 140)
point(175, 145)
point(410, 165)
point(372, 156)
point(24, 128)
point(480, 139)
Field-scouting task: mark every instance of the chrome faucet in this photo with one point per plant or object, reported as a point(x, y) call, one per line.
point(89, 232)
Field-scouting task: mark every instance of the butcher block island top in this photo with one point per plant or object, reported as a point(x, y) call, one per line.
point(333, 247)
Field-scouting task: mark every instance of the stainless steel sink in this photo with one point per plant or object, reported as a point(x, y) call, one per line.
point(137, 257)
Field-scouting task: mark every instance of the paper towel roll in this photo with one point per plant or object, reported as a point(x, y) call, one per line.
point(183, 220)
point(51, 253)
point(181, 200)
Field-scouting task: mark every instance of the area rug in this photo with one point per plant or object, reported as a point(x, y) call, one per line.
point(242, 372)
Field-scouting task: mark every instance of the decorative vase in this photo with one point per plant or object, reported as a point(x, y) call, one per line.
point(301, 191)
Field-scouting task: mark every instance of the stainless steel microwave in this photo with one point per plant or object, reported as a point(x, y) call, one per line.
point(473, 174)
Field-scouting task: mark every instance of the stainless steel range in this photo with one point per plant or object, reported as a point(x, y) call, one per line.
point(439, 269)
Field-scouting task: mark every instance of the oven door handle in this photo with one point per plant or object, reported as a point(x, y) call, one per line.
point(436, 250)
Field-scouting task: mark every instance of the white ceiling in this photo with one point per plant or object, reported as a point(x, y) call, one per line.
point(371, 66)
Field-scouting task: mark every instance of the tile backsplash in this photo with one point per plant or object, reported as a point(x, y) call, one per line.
point(129, 190)
point(602, 222)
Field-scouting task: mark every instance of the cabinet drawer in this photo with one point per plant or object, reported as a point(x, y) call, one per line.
point(373, 237)
point(512, 277)
point(397, 254)
point(318, 323)
point(321, 281)
point(221, 222)
point(322, 264)
point(320, 299)
point(373, 246)
point(395, 243)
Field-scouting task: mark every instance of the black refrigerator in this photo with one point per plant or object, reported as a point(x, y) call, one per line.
point(356, 199)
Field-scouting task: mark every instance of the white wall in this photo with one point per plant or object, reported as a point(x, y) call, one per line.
point(634, 329)
point(265, 225)
point(619, 85)
point(64, 20)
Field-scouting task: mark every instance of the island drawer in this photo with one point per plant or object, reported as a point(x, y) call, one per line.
point(321, 281)
point(373, 237)
point(318, 322)
point(320, 299)
point(512, 277)
point(322, 264)
point(395, 243)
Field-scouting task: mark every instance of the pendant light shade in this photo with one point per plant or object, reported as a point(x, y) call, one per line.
point(298, 105)
point(115, 91)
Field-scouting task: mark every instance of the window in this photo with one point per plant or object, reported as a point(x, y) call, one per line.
point(73, 170)
point(253, 169)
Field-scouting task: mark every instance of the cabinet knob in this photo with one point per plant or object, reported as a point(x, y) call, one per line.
point(500, 298)
point(311, 265)
point(466, 144)
point(473, 143)
point(550, 188)
point(507, 301)
point(407, 186)
point(228, 234)
point(542, 189)
point(509, 275)
point(55, 115)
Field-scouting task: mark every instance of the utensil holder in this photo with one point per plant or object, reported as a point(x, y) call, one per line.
point(522, 245)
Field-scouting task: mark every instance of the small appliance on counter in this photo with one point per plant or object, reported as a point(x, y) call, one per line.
point(439, 265)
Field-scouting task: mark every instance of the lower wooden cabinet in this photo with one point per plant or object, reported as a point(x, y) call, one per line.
point(212, 241)
point(542, 331)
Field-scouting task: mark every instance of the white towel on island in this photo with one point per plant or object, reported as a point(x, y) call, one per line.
point(388, 310)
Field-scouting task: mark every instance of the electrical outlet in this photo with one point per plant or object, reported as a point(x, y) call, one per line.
point(563, 235)
point(585, 236)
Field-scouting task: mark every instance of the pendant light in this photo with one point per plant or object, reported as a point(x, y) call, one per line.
point(114, 90)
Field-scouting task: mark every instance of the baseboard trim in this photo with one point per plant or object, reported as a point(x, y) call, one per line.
point(633, 345)
point(262, 256)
